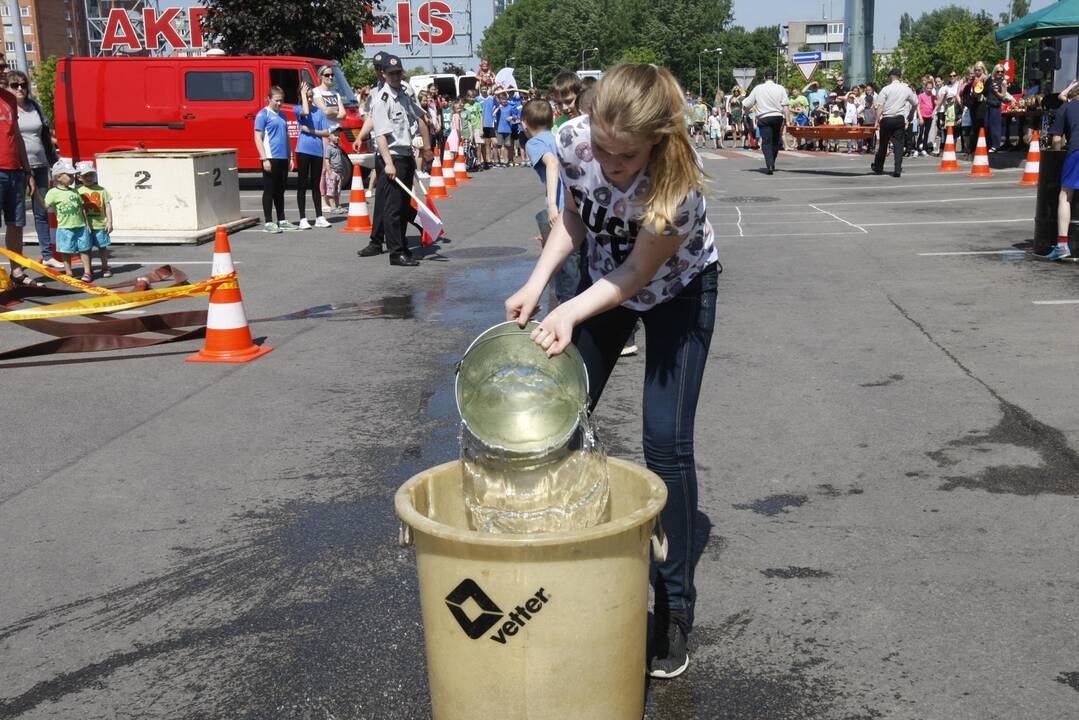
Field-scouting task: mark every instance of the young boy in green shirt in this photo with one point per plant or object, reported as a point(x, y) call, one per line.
point(97, 204)
point(72, 235)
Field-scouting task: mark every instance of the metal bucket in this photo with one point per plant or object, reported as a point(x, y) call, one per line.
point(515, 399)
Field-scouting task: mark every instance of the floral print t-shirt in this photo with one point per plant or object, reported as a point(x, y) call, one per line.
point(612, 220)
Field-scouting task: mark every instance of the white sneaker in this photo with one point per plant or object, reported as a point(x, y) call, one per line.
point(53, 263)
point(304, 225)
point(321, 221)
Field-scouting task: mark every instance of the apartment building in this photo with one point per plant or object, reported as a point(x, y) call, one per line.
point(49, 27)
point(826, 36)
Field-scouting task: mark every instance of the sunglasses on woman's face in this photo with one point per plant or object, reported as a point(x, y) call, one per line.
point(327, 74)
point(18, 85)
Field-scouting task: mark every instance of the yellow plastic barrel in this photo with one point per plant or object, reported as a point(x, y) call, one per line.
point(523, 627)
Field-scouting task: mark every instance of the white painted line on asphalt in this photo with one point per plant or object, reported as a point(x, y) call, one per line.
point(839, 218)
point(790, 222)
point(805, 235)
point(740, 233)
point(946, 222)
point(863, 176)
point(130, 312)
point(121, 260)
point(1056, 302)
point(970, 252)
point(712, 156)
point(922, 202)
point(874, 188)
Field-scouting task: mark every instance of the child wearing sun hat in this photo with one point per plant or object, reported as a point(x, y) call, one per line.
point(72, 235)
point(97, 204)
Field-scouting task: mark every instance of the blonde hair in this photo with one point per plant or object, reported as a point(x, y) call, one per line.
point(645, 101)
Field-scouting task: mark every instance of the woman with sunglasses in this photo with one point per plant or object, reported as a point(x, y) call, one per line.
point(977, 97)
point(326, 98)
point(41, 152)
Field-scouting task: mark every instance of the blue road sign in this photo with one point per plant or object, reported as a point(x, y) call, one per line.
point(805, 57)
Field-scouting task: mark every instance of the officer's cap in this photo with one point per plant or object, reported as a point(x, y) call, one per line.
point(391, 63)
point(379, 59)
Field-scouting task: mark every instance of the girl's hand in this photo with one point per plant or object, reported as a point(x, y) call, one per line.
point(523, 304)
point(266, 165)
point(108, 226)
point(555, 333)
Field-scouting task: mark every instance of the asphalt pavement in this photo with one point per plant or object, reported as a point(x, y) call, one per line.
point(886, 443)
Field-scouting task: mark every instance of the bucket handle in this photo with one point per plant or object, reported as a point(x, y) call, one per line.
point(659, 541)
point(404, 534)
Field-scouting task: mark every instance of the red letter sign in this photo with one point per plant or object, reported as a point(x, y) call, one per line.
point(432, 14)
point(195, 16)
point(119, 31)
point(157, 26)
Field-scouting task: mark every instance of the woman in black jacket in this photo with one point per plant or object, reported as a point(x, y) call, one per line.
point(978, 96)
point(41, 152)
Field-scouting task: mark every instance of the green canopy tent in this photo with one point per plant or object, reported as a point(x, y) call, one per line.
point(1060, 18)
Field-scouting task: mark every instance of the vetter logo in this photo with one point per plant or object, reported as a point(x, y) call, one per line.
point(476, 627)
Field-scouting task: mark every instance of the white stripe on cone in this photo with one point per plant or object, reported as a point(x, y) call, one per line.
point(222, 264)
point(357, 208)
point(1033, 166)
point(226, 316)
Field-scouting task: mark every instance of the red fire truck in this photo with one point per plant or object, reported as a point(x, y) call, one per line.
point(125, 103)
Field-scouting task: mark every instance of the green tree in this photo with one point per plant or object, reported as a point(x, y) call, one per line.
point(282, 27)
point(44, 79)
point(358, 69)
point(913, 57)
point(638, 54)
point(906, 23)
point(963, 42)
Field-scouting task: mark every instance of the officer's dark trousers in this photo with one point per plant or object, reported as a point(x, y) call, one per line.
point(771, 139)
point(395, 211)
point(893, 129)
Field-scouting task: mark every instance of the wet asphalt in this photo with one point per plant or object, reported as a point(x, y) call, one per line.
point(885, 443)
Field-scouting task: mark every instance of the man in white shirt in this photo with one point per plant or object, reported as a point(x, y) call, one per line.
point(773, 110)
point(946, 95)
point(896, 104)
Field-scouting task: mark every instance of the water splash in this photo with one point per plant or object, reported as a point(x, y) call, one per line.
point(564, 489)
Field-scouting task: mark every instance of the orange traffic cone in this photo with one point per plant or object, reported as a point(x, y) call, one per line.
point(460, 167)
point(438, 183)
point(358, 219)
point(980, 168)
point(447, 168)
point(948, 162)
point(228, 338)
point(1034, 161)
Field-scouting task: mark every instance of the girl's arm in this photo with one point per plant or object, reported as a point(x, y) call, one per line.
point(261, 145)
point(649, 253)
point(108, 217)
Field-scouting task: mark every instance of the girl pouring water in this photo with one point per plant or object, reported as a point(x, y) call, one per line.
point(635, 199)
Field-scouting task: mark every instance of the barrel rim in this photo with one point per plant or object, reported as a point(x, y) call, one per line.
point(408, 514)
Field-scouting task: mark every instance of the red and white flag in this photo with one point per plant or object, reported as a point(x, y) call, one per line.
point(430, 221)
point(427, 214)
point(453, 141)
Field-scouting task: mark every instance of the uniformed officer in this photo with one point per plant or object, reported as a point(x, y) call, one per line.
point(374, 247)
point(773, 111)
point(396, 120)
point(896, 104)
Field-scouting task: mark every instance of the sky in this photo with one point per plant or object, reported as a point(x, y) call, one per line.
point(754, 13)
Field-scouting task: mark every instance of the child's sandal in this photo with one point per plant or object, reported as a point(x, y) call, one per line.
point(106, 273)
point(87, 277)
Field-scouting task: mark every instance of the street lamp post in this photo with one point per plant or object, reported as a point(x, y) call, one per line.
point(700, 78)
point(587, 50)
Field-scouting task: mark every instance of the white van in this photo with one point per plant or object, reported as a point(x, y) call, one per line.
point(449, 85)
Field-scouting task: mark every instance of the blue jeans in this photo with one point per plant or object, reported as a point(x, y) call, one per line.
point(566, 282)
point(994, 126)
point(41, 213)
point(679, 332)
point(13, 197)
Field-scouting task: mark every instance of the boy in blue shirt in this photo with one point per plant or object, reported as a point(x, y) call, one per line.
point(504, 127)
point(538, 119)
point(488, 103)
